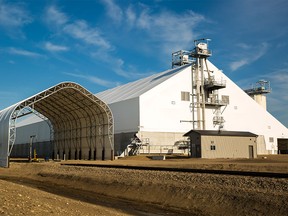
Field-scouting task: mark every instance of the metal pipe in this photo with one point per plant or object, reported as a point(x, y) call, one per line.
point(198, 95)
point(192, 98)
point(202, 94)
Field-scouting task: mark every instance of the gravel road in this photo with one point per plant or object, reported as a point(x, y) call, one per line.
point(52, 189)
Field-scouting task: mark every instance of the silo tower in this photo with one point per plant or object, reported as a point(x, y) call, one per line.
point(258, 92)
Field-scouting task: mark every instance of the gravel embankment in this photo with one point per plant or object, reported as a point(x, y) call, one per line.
point(185, 193)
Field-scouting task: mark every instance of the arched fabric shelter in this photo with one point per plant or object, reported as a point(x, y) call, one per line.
point(80, 123)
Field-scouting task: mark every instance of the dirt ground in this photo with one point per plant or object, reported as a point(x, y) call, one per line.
point(49, 188)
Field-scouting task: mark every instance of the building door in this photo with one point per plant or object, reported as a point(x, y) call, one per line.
point(282, 146)
point(251, 152)
point(198, 151)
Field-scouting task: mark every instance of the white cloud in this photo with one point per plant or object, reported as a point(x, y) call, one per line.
point(94, 79)
point(22, 52)
point(80, 30)
point(77, 29)
point(168, 22)
point(174, 31)
point(113, 10)
point(117, 65)
point(55, 48)
point(244, 46)
point(144, 20)
point(13, 17)
point(131, 16)
point(56, 17)
point(249, 54)
point(165, 30)
point(237, 64)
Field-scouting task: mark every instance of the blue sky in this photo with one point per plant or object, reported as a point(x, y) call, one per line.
point(104, 43)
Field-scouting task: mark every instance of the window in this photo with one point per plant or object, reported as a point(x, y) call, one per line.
point(225, 99)
point(271, 139)
point(212, 147)
point(185, 96)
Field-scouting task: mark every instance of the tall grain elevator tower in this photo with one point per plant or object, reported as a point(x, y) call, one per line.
point(204, 87)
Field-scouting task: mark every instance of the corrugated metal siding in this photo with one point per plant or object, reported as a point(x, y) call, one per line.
point(227, 147)
point(43, 150)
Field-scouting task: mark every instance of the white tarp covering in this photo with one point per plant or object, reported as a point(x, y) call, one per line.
point(5, 116)
point(71, 109)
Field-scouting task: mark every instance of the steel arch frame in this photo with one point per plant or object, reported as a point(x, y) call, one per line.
point(67, 108)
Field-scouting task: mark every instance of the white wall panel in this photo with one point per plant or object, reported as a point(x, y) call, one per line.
point(40, 129)
point(161, 108)
point(126, 115)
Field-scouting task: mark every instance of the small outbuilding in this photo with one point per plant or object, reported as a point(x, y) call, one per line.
point(222, 144)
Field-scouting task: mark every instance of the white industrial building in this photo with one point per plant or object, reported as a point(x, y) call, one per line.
point(158, 110)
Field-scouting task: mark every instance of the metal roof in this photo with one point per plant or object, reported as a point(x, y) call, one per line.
point(221, 133)
point(137, 88)
point(123, 92)
point(74, 115)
